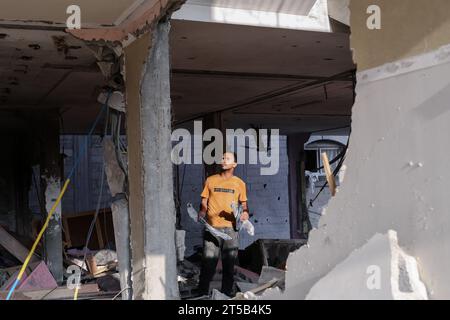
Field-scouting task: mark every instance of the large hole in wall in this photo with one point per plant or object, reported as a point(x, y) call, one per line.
point(242, 77)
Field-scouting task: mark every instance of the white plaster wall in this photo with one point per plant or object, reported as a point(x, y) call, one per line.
point(397, 169)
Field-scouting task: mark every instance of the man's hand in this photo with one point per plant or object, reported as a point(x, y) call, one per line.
point(201, 214)
point(244, 216)
point(203, 209)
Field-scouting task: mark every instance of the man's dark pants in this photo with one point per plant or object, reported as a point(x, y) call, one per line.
point(212, 247)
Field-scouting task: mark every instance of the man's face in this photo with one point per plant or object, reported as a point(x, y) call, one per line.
point(228, 161)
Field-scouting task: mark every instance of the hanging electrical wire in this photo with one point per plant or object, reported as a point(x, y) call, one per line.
point(97, 208)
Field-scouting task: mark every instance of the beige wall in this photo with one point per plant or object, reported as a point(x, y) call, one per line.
point(135, 56)
point(409, 28)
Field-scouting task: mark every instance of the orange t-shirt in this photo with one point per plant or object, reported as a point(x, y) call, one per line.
point(220, 193)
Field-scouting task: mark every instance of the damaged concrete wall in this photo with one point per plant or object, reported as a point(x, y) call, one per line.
point(338, 10)
point(397, 163)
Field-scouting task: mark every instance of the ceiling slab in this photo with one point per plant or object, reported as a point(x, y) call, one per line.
point(214, 67)
point(241, 70)
point(225, 47)
point(97, 12)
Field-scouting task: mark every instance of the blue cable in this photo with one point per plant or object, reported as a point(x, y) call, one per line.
point(91, 131)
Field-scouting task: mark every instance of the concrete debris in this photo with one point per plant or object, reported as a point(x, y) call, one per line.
point(105, 257)
point(246, 286)
point(255, 293)
point(180, 236)
point(271, 273)
point(379, 270)
point(217, 295)
point(275, 291)
point(188, 274)
point(78, 262)
point(187, 269)
point(250, 296)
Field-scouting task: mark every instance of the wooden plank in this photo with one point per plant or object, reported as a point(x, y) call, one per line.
point(101, 243)
point(13, 246)
point(92, 265)
point(52, 294)
point(66, 232)
point(330, 177)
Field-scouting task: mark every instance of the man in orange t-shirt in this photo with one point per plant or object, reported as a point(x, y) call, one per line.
point(219, 192)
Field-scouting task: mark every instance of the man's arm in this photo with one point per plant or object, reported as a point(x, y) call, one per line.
point(203, 208)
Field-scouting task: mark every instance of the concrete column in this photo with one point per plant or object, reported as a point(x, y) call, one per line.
point(299, 219)
point(152, 207)
point(121, 220)
point(50, 165)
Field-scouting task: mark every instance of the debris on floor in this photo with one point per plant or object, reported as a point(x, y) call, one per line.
point(13, 246)
point(188, 274)
point(270, 273)
point(217, 295)
point(89, 291)
point(379, 270)
point(249, 284)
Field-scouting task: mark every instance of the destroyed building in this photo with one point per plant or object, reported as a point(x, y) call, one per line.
point(355, 99)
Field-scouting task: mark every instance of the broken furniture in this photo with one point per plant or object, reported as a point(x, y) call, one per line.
point(76, 226)
point(266, 252)
point(13, 246)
